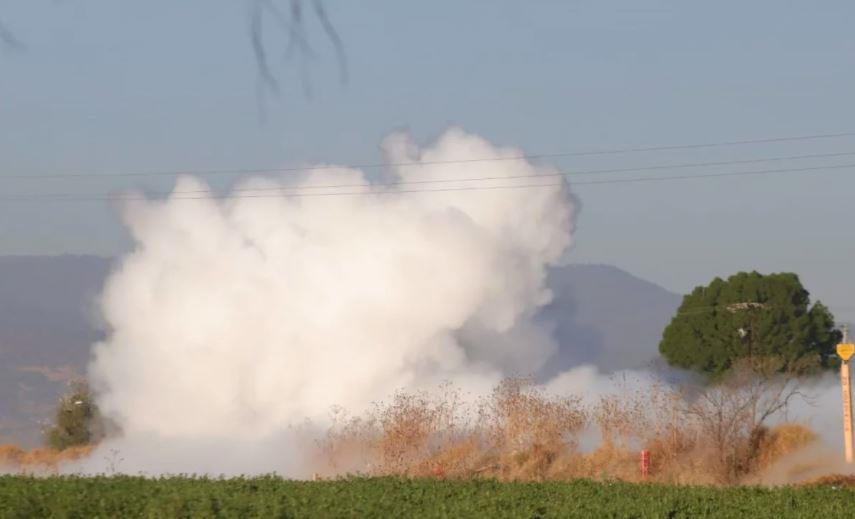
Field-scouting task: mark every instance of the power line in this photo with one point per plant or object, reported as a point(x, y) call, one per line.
point(654, 167)
point(80, 198)
point(533, 156)
point(719, 175)
point(532, 175)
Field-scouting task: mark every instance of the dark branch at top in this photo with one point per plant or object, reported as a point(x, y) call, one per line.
point(290, 24)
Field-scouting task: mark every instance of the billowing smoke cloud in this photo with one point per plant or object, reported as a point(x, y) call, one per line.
point(234, 319)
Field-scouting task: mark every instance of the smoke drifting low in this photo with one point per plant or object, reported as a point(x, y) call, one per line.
point(236, 319)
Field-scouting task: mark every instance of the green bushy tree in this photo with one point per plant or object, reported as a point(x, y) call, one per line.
point(750, 315)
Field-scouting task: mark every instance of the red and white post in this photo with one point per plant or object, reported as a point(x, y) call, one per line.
point(645, 464)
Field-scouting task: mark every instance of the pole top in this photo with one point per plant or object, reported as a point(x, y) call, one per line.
point(845, 350)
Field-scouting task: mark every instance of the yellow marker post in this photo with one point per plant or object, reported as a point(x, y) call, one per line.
point(845, 351)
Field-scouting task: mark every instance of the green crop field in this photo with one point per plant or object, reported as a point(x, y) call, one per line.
point(388, 497)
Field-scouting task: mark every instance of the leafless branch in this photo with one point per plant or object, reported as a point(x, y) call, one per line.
point(257, 38)
point(292, 26)
point(321, 12)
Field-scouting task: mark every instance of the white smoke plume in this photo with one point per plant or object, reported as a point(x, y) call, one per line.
point(234, 319)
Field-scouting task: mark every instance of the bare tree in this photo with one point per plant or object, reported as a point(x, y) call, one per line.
point(290, 23)
point(732, 414)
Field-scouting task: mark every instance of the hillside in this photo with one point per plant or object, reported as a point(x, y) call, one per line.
point(606, 317)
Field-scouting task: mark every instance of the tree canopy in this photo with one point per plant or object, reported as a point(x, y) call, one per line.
point(750, 315)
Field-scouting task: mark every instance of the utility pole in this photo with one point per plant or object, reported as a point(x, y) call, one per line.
point(845, 350)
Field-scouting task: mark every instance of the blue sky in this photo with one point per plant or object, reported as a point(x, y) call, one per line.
point(106, 86)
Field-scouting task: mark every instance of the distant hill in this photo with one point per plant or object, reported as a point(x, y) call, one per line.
point(600, 314)
point(607, 317)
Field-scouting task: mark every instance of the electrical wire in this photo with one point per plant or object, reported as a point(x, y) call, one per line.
point(533, 156)
point(368, 192)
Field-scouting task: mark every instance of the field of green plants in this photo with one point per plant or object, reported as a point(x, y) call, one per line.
point(74, 497)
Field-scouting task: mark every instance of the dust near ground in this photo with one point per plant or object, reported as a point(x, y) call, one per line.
point(14, 459)
point(836, 480)
point(812, 464)
point(520, 433)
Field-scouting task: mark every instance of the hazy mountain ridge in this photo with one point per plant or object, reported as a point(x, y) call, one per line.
point(606, 316)
point(600, 315)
